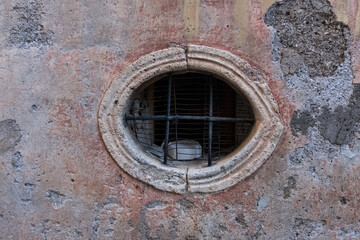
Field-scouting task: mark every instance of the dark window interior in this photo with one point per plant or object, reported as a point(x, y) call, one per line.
point(190, 97)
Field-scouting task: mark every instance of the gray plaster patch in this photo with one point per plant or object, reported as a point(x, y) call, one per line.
point(299, 157)
point(352, 150)
point(300, 122)
point(307, 228)
point(16, 160)
point(142, 226)
point(156, 204)
point(240, 219)
point(311, 153)
point(10, 135)
point(262, 203)
point(348, 233)
point(191, 238)
point(26, 197)
point(313, 93)
point(76, 234)
point(29, 31)
point(105, 203)
point(309, 33)
point(44, 229)
point(291, 61)
point(289, 186)
point(337, 126)
point(103, 211)
point(310, 48)
point(251, 229)
point(57, 199)
point(185, 204)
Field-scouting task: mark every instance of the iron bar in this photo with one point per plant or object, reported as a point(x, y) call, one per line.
point(218, 112)
point(176, 122)
point(204, 131)
point(184, 117)
point(167, 122)
point(210, 122)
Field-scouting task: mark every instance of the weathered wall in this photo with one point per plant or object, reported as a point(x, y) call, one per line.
point(57, 180)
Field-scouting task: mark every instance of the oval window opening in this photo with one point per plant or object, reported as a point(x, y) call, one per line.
point(188, 119)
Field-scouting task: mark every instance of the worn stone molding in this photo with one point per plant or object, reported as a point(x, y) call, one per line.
point(248, 157)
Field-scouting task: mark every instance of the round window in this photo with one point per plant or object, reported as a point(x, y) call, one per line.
point(190, 119)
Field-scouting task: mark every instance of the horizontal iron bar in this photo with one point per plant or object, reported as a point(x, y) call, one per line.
point(182, 117)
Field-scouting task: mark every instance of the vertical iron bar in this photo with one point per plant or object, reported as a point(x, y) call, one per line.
point(167, 121)
point(210, 122)
point(204, 128)
point(218, 113)
point(176, 121)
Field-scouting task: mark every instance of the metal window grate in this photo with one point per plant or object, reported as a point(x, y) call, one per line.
point(190, 116)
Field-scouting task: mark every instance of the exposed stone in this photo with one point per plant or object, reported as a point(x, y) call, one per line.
point(309, 33)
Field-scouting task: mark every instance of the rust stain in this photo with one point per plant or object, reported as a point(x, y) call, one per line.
point(63, 113)
point(357, 19)
point(356, 67)
point(191, 19)
point(241, 16)
point(348, 12)
point(285, 107)
point(265, 4)
point(341, 9)
point(352, 12)
point(260, 44)
point(356, 43)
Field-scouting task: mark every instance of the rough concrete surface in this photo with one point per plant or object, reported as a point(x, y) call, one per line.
point(57, 178)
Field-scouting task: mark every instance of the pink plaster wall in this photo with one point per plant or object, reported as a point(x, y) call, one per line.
point(67, 186)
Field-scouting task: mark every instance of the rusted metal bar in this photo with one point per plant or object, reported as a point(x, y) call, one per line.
point(211, 101)
point(167, 122)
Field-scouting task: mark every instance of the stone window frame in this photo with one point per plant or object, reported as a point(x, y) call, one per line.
point(228, 171)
